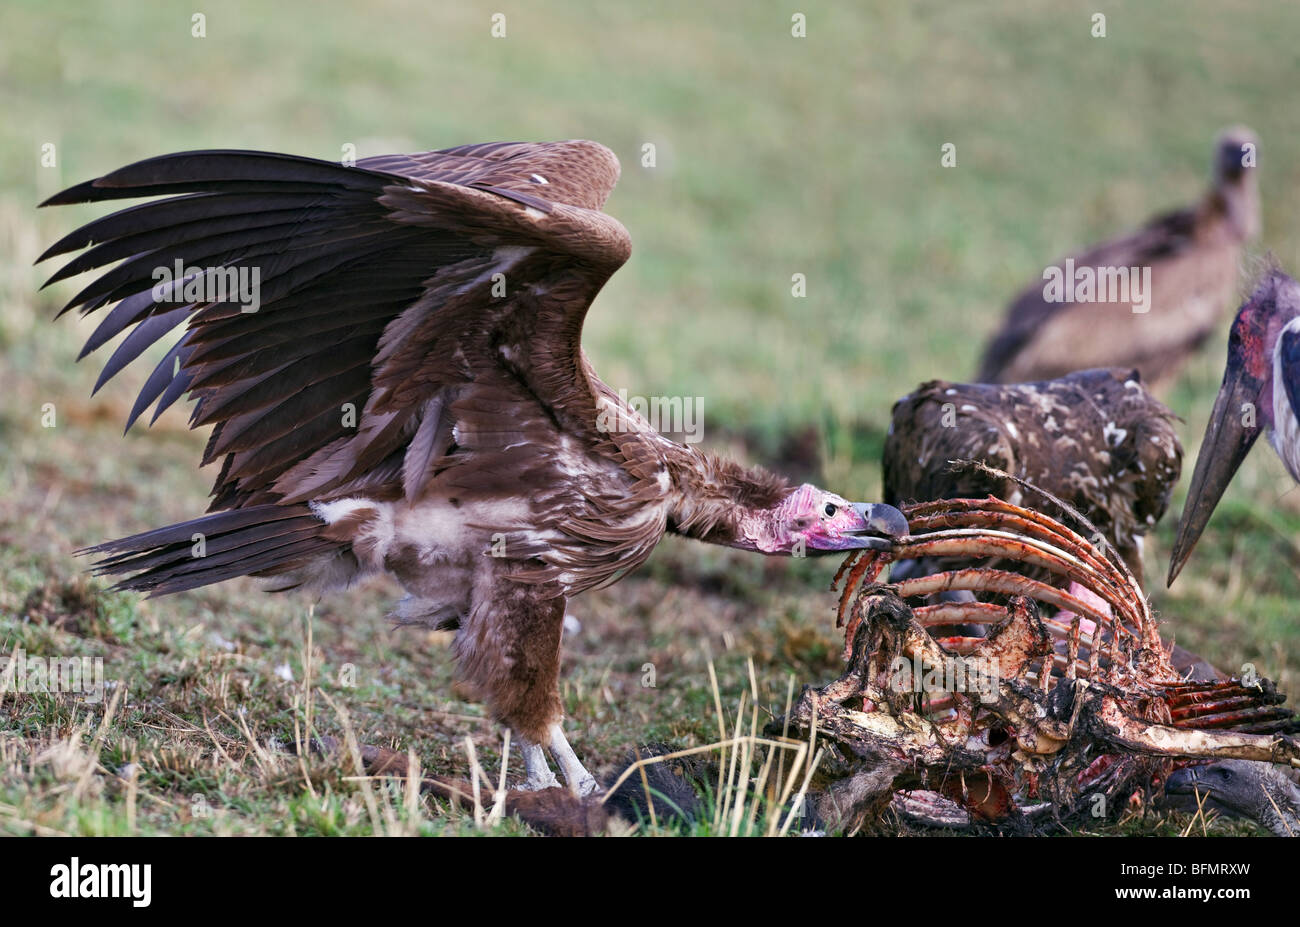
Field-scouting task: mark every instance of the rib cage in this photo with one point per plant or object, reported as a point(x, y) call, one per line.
point(1109, 716)
point(991, 527)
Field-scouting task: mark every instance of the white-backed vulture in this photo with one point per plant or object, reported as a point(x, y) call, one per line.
point(1147, 300)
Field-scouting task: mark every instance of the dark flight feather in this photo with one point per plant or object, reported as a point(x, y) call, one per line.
point(348, 257)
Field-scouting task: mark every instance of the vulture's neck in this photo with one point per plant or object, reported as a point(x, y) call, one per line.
point(1237, 201)
point(1280, 809)
point(719, 501)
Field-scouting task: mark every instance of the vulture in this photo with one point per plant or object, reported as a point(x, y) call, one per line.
point(1260, 391)
point(1096, 439)
point(1146, 300)
point(1260, 792)
point(388, 354)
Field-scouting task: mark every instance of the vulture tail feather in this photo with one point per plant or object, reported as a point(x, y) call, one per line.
point(262, 540)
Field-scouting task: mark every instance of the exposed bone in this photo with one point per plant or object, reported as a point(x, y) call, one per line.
point(1038, 724)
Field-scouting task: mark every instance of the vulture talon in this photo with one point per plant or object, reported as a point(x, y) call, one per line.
point(537, 771)
point(579, 781)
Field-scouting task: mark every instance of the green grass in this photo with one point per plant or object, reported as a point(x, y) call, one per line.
point(775, 156)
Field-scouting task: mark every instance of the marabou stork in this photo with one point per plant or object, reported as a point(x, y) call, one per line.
point(1260, 390)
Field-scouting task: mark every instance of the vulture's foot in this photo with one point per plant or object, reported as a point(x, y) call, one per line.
point(579, 781)
point(539, 775)
point(538, 771)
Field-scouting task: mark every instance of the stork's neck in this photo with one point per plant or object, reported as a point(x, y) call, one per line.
point(1282, 418)
point(720, 501)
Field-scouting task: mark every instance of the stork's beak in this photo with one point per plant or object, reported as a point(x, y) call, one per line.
point(881, 526)
point(1234, 426)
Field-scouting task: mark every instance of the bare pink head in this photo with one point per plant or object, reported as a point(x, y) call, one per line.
point(811, 520)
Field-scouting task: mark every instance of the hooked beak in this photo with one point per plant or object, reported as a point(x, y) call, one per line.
point(881, 526)
point(1198, 786)
point(1227, 441)
point(1183, 781)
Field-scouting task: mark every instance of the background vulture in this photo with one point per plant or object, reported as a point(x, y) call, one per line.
point(1261, 390)
point(411, 397)
point(1096, 439)
point(1193, 256)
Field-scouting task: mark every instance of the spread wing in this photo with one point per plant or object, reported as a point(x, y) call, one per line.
point(386, 296)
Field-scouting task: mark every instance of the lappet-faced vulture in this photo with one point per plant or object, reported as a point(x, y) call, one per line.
point(410, 396)
point(1146, 300)
point(1260, 391)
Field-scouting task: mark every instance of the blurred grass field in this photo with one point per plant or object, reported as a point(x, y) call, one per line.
point(775, 156)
